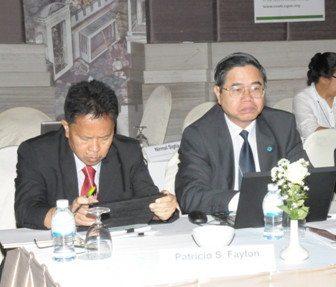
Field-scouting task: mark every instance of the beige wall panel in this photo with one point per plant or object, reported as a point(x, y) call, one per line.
point(22, 58)
point(275, 54)
point(41, 98)
point(277, 90)
point(25, 79)
point(190, 56)
point(175, 76)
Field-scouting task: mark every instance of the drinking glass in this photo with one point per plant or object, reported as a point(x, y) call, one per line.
point(141, 137)
point(98, 242)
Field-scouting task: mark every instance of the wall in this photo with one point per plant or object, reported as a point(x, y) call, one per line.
point(187, 70)
point(177, 21)
point(11, 22)
point(25, 79)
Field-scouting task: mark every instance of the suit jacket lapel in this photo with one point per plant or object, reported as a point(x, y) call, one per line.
point(266, 144)
point(68, 170)
point(110, 180)
point(225, 154)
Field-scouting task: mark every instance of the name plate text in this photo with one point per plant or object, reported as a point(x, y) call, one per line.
point(198, 263)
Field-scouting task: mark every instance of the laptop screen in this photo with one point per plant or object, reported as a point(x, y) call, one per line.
point(321, 183)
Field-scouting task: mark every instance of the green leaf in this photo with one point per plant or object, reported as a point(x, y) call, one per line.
point(300, 203)
point(285, 208)
point(303, 212)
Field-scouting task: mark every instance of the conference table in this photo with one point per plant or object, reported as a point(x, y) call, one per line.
point(167, 254)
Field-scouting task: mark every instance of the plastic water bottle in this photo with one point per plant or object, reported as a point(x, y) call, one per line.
point(273, 215)
point(63, 229)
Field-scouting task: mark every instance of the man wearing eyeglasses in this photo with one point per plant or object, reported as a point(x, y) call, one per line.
point(236, 136)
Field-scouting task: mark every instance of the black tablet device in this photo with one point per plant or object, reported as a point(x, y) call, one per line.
point(125, 212)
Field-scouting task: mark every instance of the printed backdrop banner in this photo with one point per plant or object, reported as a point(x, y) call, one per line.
point(288, 10)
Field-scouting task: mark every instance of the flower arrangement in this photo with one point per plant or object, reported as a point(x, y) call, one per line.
point(290, 178)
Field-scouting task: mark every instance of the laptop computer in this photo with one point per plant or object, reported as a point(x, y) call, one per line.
point(48, 126)
point(321, 183)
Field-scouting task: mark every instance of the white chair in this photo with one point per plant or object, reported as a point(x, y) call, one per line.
point(156, 115)
point(8, 159)
point(172, 165)
point(285, 104)
point(22, 269)
point(19, 124)
point(320, 146)
point(197, 112)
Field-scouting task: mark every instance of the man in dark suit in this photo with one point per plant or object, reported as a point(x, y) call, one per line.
point(50, 166)
point(210, 170)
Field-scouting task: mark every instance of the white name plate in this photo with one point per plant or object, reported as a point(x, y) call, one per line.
point(161, 152)
point(195, 263)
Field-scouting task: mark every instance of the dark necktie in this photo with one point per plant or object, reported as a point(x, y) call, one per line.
point(246, 160)
point(88, 183)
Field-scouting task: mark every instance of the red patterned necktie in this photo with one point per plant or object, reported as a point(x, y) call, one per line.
point(88, 183)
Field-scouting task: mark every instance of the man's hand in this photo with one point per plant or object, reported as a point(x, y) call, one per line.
point(165, 206)
point(79, 207)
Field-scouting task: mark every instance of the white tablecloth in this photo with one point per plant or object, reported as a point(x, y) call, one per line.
point(136, 261)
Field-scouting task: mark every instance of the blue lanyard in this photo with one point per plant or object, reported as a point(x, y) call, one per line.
point(324, 114)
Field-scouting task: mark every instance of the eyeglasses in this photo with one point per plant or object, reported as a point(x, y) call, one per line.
point(255, 91)
point(78, 243)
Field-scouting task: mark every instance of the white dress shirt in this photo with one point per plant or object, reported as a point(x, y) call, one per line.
point(80, 175)
point(312, 111)
point(237, 142)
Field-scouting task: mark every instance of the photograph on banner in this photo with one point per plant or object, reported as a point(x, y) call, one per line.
point(288, 10)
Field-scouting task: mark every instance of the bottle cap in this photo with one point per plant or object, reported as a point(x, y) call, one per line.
point(272, 187)
point(62, 203)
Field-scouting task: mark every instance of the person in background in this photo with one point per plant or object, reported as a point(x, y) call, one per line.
point(315, 106)
point(238, 135)
point(84, 153)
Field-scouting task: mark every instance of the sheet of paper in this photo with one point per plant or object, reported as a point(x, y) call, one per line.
point(11, 238)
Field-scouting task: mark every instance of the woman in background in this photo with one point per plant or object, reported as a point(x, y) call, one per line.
point(315, 106)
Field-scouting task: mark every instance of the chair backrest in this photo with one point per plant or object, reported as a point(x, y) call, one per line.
point(19, 124)
point(156, 115)
point(320, 147)
point(8, 159)
point(197, 112)
point(285, 104)
point(172, 166)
